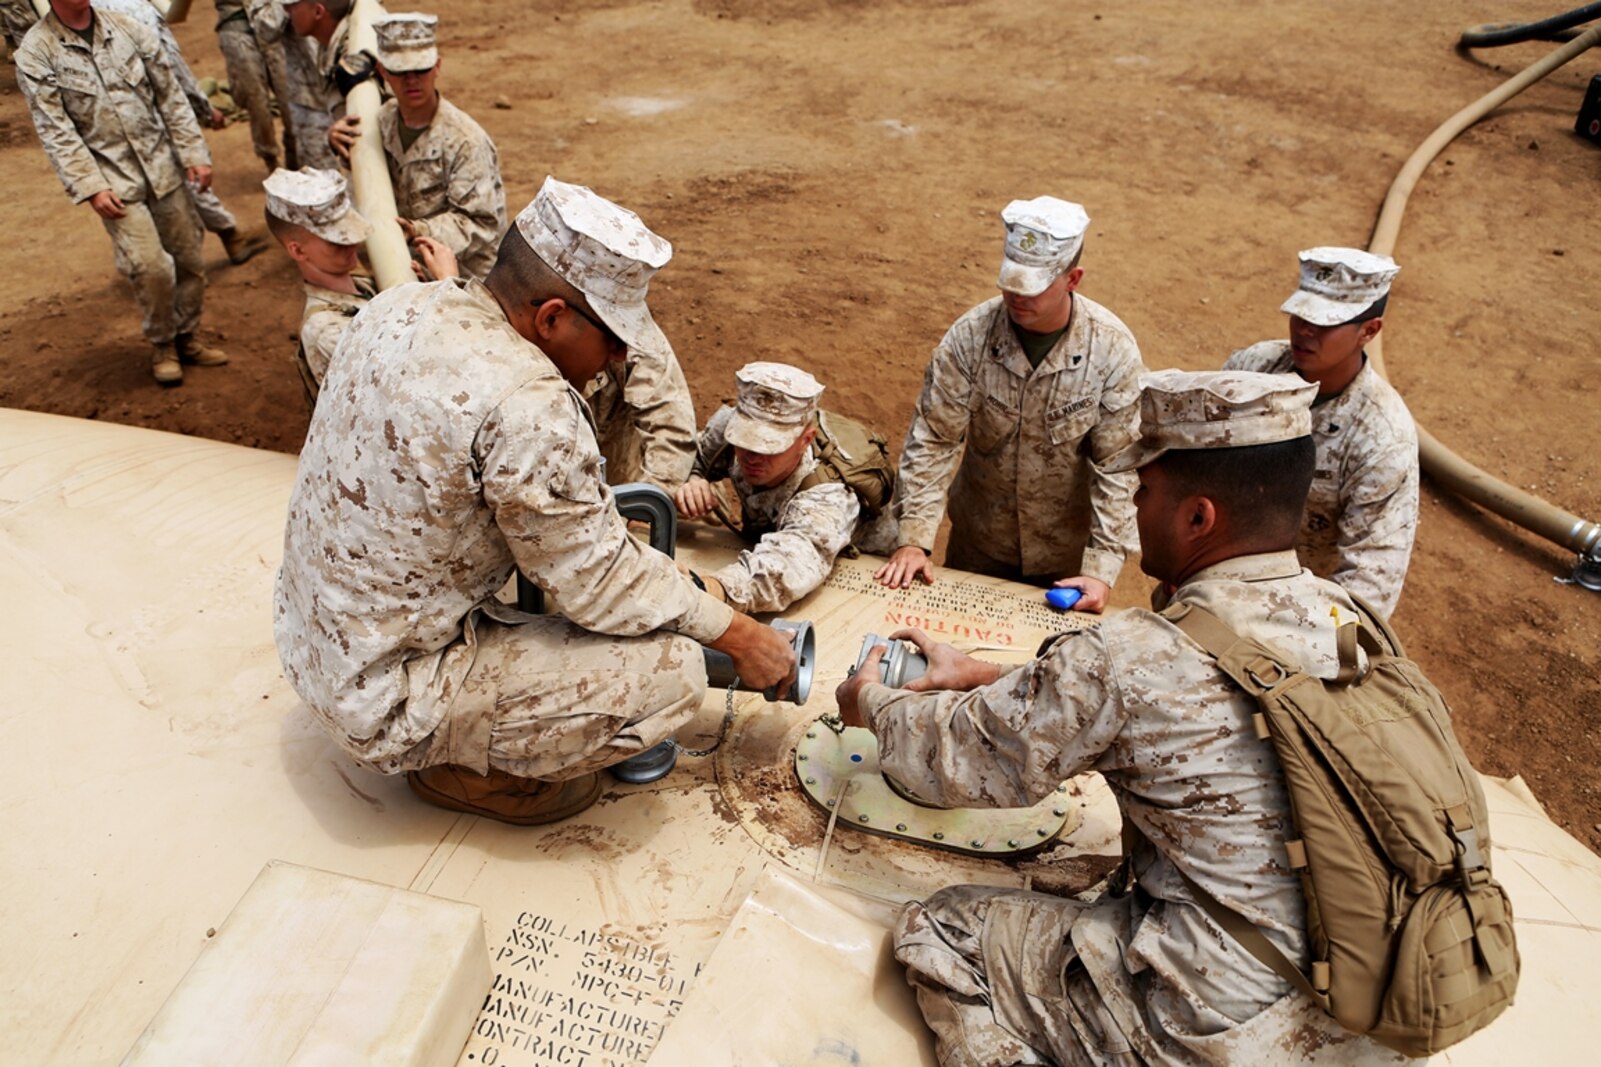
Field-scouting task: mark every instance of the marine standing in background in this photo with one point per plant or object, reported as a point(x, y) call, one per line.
point(113, 119)
point(241, 245)
point(311, 37)
point(1362, 512)
point(793, 505)
point(1024, 400)
point(249, 82)
point(444, 167)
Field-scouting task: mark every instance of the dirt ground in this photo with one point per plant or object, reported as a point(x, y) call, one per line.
point(830, 173)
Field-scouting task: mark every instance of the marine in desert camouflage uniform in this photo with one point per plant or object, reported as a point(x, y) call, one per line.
point(1024, 400)
point(249, 79)
point(448, 186)
point(763, 445)
point(443, 166)
point(1362, 512)
point(645, 419)
point(113, 120)
point(310, 38)
point(1004, 976)
point(241, 244)
point(448, 451)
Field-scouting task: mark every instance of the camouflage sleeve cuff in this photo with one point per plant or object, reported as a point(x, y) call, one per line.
point(919, 533)
point(1102, 564)
point(82, 194)
point(872, 699)
point(706, 620)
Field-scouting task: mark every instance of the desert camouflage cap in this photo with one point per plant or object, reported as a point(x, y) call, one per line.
point(1216, 409)
point(407, 41)
point(1042, 237)
point(776, 403)
point(1338, 284)
point(604, 251)
point(317, 200)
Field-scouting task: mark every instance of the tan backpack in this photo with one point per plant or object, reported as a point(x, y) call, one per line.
point(1411, 938)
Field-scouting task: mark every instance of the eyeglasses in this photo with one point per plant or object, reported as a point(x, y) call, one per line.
point(612, 339)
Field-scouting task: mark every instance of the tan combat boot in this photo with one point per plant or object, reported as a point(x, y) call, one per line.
point(243, 245)
point(190, 350)
point(164, 365)
point(506, 797)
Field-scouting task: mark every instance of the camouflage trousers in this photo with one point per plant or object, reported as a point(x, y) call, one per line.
point(964, 555)
point(547, 699)
point(308, 126)
point(214, 214)
point(1008, 977)
point(248, 83)
point(157, 245)
point(999, 981)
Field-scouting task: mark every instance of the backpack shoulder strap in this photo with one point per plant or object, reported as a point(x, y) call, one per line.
point(1255, 667)
point(1374, 620)
point(1254, 941)
point(1247, 933)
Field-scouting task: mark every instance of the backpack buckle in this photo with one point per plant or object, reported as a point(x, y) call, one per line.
point(1469, 860)
point(1279, 674)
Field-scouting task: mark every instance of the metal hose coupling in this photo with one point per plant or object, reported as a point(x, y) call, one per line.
point(720, 672)
point(901, 664)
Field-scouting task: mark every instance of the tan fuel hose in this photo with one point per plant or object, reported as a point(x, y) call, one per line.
point(369, 170)
point(1437, 461)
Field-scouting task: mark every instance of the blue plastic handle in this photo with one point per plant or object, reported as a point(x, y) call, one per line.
point(1063, 599)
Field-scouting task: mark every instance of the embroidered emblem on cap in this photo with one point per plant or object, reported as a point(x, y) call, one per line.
point(1043, 235)
point(1216, 409)
point(776, 403)
point(406, 42)
point(1339, 284)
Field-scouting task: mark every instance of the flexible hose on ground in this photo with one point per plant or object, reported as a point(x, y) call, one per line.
point(1437, 461)
point(1556, 28)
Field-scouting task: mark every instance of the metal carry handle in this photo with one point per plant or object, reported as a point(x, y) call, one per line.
point(639, 501)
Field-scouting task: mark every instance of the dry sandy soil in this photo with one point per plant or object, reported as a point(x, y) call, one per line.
point(830, 172)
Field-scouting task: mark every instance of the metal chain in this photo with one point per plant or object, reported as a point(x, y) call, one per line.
point(833, 722)
point(722, 731)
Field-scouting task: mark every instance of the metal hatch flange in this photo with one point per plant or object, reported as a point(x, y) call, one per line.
point(842, 767)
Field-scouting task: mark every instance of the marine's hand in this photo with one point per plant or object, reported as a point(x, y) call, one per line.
point(848, 694)
point(1095, 593)
point(763, 657)
point(218, 119)
point(909, 563)
point(947, 668)
point(343, 134)
point(434, 257)
point(694, 498)
point(107, 204)
point(199, 177)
